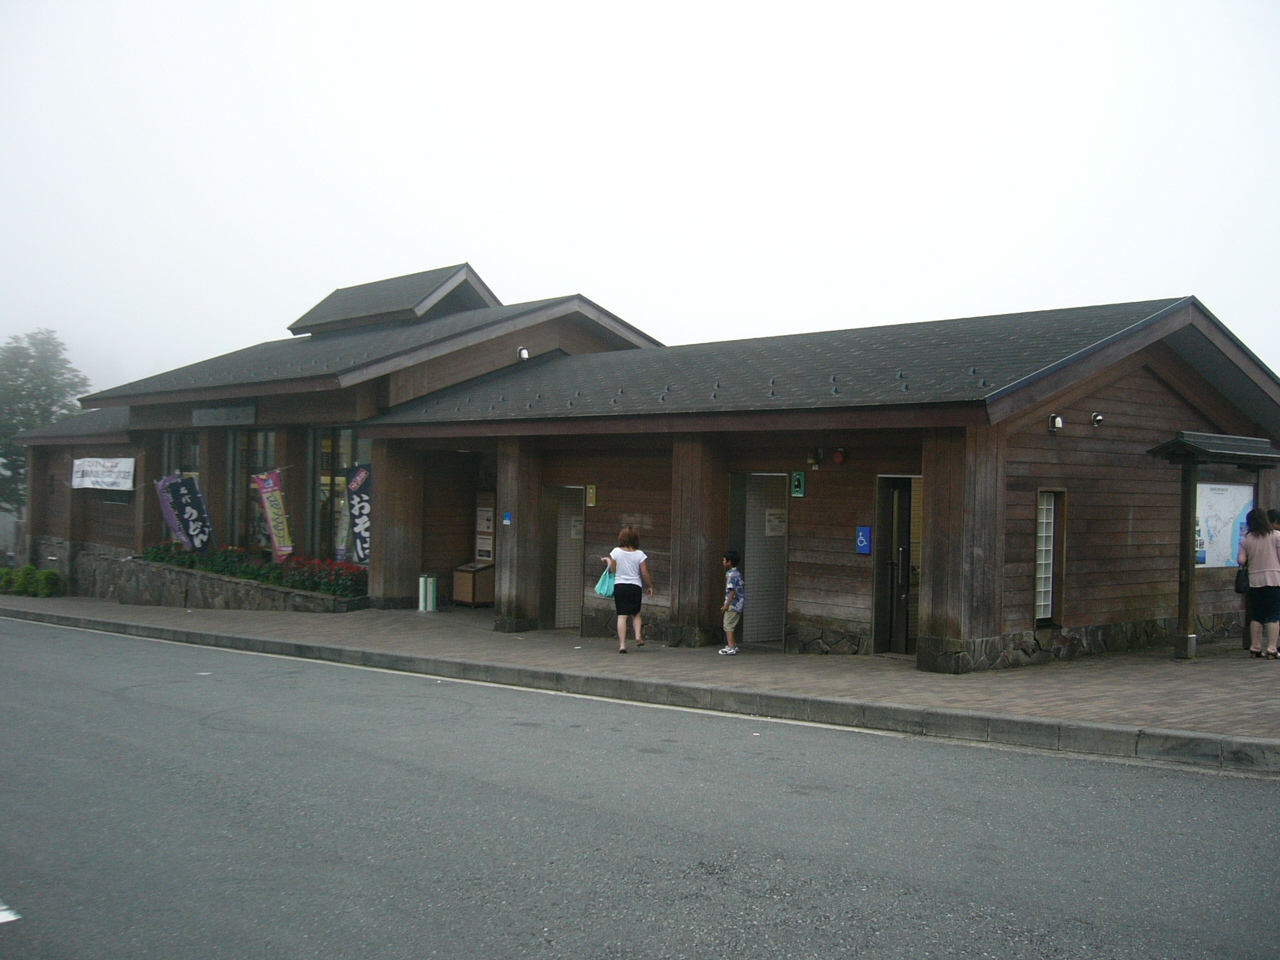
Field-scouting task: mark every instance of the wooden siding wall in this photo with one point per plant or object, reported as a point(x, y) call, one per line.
point(1121, 508)
point(395, 536)
point(449, 516)
point(631, 488)
point(106, 523)
point(829, 584)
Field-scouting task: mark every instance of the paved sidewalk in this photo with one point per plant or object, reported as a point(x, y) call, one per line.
point(1220, 710)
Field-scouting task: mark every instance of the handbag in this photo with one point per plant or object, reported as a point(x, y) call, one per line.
point(604, 586)
point(1242, 579)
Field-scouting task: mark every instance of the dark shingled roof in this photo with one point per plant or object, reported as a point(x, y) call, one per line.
point(966, 360)
point(92, 423)
point(1218, 448)
point(394, 299)
point(328, 356)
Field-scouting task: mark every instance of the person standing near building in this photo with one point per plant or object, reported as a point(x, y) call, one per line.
point(735, 600)
point(1260, 549)
point(630, 568)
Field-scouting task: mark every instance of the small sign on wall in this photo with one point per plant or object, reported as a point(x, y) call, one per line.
point(797, 483)
point(862, 542)
point(775, 522)
point(591, 494)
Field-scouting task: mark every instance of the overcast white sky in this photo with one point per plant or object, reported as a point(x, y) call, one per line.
point(182, 179)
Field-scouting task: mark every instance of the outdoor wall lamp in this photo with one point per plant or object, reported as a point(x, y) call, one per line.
point(1055, 424)
point(1095, 418)
point(522, 353)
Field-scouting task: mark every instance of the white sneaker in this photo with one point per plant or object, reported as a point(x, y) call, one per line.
point(728, 651)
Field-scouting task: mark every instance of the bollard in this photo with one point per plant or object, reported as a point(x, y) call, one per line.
point(426, 594)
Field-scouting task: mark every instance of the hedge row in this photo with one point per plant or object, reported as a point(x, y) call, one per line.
point(29, 582)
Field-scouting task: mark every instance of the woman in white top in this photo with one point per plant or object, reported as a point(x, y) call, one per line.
point(1260, 549)
point(630, 569)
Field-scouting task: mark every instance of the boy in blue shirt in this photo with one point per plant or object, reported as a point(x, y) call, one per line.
point(735, 600)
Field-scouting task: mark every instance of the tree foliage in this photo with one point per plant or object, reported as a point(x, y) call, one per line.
point(38, 386)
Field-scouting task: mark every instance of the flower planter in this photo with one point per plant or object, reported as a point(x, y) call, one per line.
point(143, 583)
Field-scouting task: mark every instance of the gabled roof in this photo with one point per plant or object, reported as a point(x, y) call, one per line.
point(971, 360)
point(411, 298)
point(1188, 446)
point(111, 425)
point(343, 359)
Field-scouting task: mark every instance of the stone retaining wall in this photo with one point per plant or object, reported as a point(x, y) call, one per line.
point(134, 581)
point(1031, 647)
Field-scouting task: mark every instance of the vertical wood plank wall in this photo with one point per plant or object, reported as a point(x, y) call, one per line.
point(1121, 508)
point(395, 536)
point(699, 532)
point(632, 487)
point(829, 584)
point(449, 518)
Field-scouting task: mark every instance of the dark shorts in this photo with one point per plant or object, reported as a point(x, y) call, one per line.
point(626, 599)
point(1264, 604)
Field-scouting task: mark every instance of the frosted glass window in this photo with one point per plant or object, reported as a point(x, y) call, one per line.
point(1045, 510)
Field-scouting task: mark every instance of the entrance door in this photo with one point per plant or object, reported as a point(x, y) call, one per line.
point(897, 564)
point(566, 506)
point(758, 530)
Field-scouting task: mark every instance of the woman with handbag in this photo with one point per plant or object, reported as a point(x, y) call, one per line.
point(630, 568)
point(1260, 550)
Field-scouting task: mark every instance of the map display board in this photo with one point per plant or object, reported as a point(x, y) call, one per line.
point(1220, 513)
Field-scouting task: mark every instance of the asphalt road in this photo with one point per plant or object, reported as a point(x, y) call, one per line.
point(166, 801)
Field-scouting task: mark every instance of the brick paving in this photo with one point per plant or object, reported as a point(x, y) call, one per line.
point(1224, 691)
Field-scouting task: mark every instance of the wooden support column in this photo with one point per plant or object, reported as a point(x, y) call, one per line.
point(213, 482)
point(699, 535)
point(395, 537)
point(37, 511)
point(149, 527)
point(1184, 644)
point(292, 453)
point(962, 540)
point(518, 544)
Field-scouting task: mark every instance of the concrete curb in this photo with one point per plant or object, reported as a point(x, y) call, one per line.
point(1214, 751)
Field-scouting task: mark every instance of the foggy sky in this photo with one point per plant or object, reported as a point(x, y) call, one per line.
point(178, 179)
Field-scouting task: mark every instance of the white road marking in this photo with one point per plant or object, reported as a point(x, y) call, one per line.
point(6, 914)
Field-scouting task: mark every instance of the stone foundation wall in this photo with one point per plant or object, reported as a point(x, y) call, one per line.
point(1032, 647)
point(603, 622)
point(139, 582)
point(813, 638)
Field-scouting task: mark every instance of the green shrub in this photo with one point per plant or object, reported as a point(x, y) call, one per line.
point(6, 580)
point(23, 580)
point(47, 583)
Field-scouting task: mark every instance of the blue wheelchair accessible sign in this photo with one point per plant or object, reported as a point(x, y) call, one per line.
point(863, 543)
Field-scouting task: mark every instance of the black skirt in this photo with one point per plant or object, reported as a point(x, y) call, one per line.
point(626, 599)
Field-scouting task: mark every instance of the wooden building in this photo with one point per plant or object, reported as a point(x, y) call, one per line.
point(978, 492)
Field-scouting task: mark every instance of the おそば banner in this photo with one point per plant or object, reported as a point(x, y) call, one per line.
point(359, 497)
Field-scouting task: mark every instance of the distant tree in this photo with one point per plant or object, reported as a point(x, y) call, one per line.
point(38, 386)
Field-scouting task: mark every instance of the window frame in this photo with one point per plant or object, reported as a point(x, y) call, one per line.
point(1057, 558)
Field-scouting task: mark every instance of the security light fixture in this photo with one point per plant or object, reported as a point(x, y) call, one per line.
point(1095, 418)
point(522, 353)
point(1055, 423)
